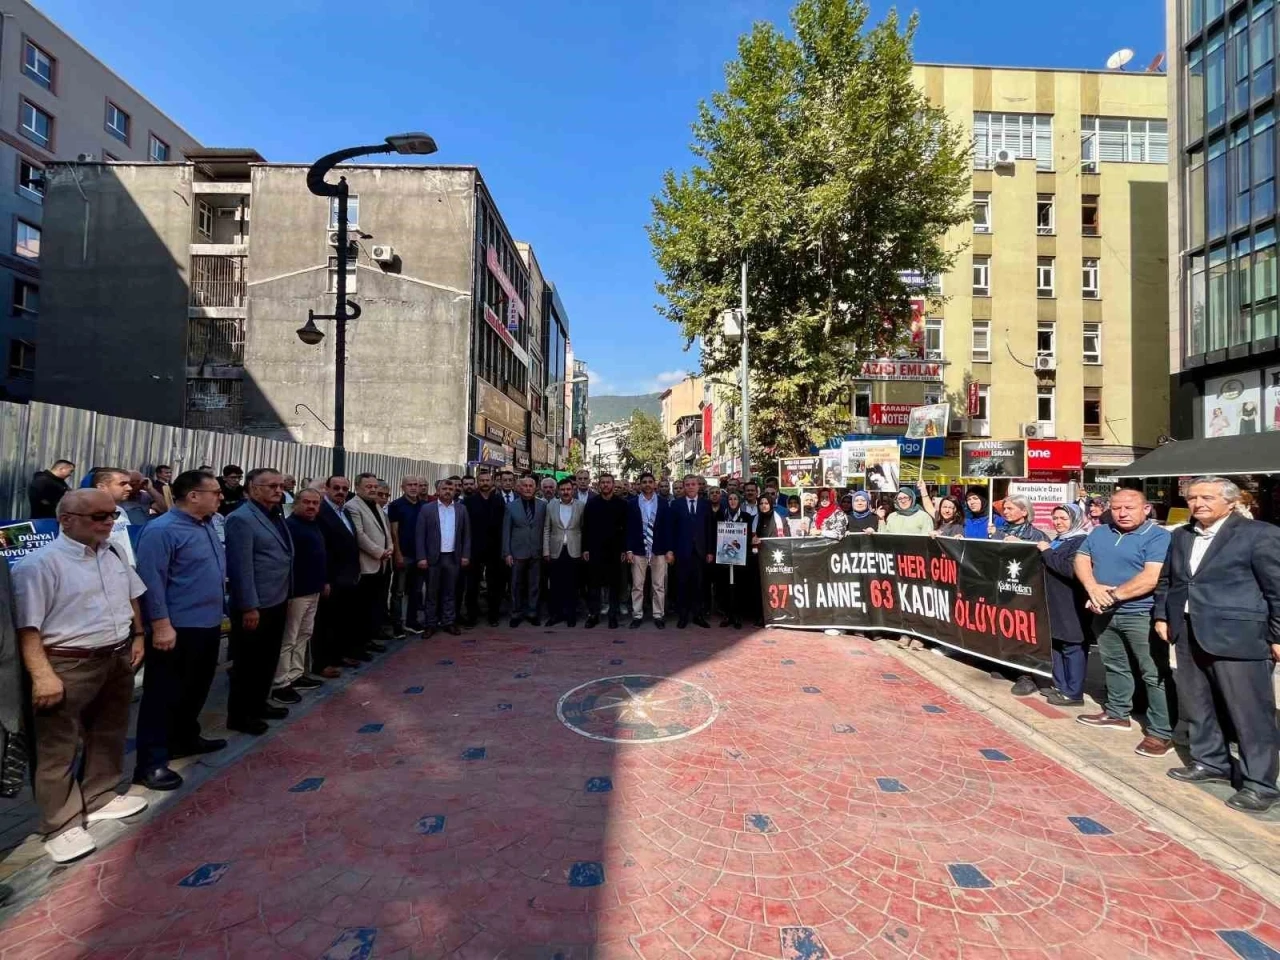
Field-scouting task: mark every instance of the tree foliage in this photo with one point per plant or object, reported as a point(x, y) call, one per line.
point(576, 458)
point(643, 445)
point(825, 167)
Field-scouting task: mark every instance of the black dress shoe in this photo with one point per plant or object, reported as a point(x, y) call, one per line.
point(1248, 801)
point(660, 623)
point(682, 623)
point(514, 622)
point(1059, 699)
point(613, 622)
point(1023, 687)
point(635, 623)
point(274, 713)
point(701, 622)
point(377, 647)
point(197, 746)
point(1197, 774)
point(307, 683)
point(363, 656)
point(535, 622)
point(158, 778)
point(453, 629)
point(591, 621)
point(286, 695)
point(254, 728)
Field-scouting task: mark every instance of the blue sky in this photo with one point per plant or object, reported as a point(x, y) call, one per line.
point(571, 108)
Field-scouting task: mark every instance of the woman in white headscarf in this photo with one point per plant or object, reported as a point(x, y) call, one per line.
point(1068, 623)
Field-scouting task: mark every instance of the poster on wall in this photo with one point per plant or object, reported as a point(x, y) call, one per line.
point(21, 537)
point(1271, 398)
point(1232, 405)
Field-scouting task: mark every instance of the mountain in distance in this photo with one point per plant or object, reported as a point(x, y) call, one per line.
point(605, 409)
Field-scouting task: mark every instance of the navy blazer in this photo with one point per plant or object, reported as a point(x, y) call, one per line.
point(661, 527)
point(692, 535)
point(342, 553)
point(259, 558)
point(1234, 594)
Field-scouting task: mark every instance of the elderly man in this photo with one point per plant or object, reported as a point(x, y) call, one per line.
point(80, 631)
point(1218, 600)
point(407, 580)
point(310, 582)
point(522, 535)
point(259, 574)
point(1119, 565)
point(443, 548)
point(547, 489)
point(338, 640)
point(373, 534)
point(562, 549)
point(184, 566)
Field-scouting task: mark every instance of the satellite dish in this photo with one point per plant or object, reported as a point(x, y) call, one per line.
point(1118, 59)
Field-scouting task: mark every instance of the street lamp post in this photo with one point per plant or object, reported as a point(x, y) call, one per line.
point(734, 327)
point(406, 143)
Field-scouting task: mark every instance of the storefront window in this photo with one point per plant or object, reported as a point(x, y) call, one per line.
point(1195, 307)
point(1264, 284)
point(1219, 299)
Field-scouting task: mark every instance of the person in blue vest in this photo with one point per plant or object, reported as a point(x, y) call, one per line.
point(976, 523)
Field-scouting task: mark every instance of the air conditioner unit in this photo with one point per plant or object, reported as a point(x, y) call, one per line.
point(383, 253)
point(1029, 430)
point(333, 238)
point(958, 425)
point(85, 158)
point(1005, 158)
point(1046, 361)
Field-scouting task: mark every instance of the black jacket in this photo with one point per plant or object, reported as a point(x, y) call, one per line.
point(604, 527)
point(342, 552)
point(486, 515)
point(1068, 619)
point(1234, 594)
point(44, 493)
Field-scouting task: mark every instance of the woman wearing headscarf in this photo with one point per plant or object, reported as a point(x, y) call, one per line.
point(733, 596)
point(766, 523)
point(861, 518)
point(1068, 621)
point(950, 520)
point(799, 524)
point(908, 516)
point(830, 520)
point(1017, 521)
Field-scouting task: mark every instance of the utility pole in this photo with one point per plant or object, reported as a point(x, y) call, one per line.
point(746, 389)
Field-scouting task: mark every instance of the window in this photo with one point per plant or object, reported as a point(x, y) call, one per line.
point(933, 338)
point(37, 126)
point(1262, 49)
point(1044, 213)
point(1219, 292)
point(982, 276)
point(30, 180)
point(1044, 276)
point(1089, 278)
point(981, 348)
point(932, 395)
point(1123, 140)
point(1195, 94)
point(157, 149)
point(1215, 89)
point(862, 402)
point(1089, 216)
point(1195, 197)
point(37, 65)
point(980, 425)
point(1264, 284)
point(1026, 136)
point(1093, 412)
point(204, 220)
point(982, 213)
point(117, 122)
point(1093, 343)
point(1196, 314)
point(1217, 186)
point(1045, 338)
point(27, 241)
point(1262, 164)
point(333, 274)
point(1044, 403)
point(26, 299)
point(1238, 62)
point(22, 360)
point(353, 211)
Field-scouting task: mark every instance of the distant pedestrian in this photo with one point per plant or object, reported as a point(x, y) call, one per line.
point(48, 487)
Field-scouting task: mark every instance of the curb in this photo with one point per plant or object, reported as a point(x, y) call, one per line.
point(1238, 863)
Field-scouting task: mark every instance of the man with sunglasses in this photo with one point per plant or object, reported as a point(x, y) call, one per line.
point(183, 564)
point(80, 630)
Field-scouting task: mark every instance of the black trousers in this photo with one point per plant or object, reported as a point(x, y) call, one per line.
point(605, 572)
point(690, 573)
point(335, 634)
point(1245, 691)
point(442, 591)
point(495, 574)
point(734, 597)
point(372, 590)
point(254, 655)
point(563, 604)
point(408, 587)
point(175, 686)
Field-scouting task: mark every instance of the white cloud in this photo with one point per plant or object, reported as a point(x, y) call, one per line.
point(668, 379)
point(602, 386)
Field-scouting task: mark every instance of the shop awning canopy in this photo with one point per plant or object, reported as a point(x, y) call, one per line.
point(1224, 456)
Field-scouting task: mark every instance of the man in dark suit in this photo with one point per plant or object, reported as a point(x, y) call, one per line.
point(1218, 600)
point(522, 530)
point(336, 628)
point(693, 544)
point(444, 549)
point(486, 511)
point(259, 574)
point(604, 533)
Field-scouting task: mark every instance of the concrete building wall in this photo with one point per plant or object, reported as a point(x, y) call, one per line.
point(81, 87)
point(113, 324)
point(682, 400)
point(408, 366)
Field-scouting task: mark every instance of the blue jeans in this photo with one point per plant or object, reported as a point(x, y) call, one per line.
point(1070, 663)
point(1125, 639)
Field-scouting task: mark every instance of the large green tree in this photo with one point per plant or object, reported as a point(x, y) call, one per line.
point(825, 168)
point(644, 446)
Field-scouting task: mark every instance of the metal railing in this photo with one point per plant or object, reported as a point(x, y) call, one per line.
point(215, 341)
point(217, 281)
point(214, 404)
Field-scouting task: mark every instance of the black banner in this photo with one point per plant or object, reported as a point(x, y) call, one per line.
point(984, 597)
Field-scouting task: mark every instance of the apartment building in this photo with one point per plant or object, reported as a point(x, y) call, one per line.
point(61, 103)
point(1054, 321)
point(179, 302)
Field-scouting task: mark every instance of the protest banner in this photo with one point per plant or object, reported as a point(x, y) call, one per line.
point(929, 421)
point(993, 458)
point(799, 472)
point(984, 597)
point(21, 537)
point(883, 467)
point(731, 544)
point(1044, 497)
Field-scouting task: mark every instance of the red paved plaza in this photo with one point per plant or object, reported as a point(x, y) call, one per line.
point(800, 796)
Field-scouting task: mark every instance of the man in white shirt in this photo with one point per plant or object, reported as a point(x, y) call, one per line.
point(562, 549)
point(752, 492)
point(80, 632)
point(648, 549)
point(115, 483)
point(444, 550)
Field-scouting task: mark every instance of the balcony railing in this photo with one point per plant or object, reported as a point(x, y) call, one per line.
point(215, 341)
point(217, 281)
point(213, 404)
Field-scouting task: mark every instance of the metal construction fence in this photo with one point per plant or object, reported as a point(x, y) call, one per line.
point(33, 436)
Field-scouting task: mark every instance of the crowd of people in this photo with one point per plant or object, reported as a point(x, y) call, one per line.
point(315, 578)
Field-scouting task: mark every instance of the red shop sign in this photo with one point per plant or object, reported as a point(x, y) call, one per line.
point(1054, 456)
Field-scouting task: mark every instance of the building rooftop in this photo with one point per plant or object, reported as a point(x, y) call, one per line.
point(1102, 70)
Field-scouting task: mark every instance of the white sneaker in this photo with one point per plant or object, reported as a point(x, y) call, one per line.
point(125, 805)
point(70, 845)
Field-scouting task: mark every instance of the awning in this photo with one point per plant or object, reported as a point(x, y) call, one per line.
point(1224, 456)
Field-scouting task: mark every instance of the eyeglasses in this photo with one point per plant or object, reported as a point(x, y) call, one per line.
point(217, 490)
point(100, 516)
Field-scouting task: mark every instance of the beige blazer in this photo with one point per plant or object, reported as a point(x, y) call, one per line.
point(373, 538)
point(555, 534)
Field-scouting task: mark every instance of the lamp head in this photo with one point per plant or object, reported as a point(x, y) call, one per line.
point(309, 333)
point(419, 144)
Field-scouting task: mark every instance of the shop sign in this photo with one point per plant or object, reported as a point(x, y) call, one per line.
point(1054, 456)
point(509, 288)
point(891, 414)
point(491, 453)
point(900, 370)
point(522, 460)
point(497, 408)
point(491, 318)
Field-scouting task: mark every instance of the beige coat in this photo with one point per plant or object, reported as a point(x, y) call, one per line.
point(373, 538)
point(555, 534)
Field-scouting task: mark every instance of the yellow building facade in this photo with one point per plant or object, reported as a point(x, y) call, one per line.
point(1057, 306)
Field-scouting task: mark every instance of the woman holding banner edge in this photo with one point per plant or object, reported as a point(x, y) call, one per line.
point(1066, 597)
point(766, 523)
